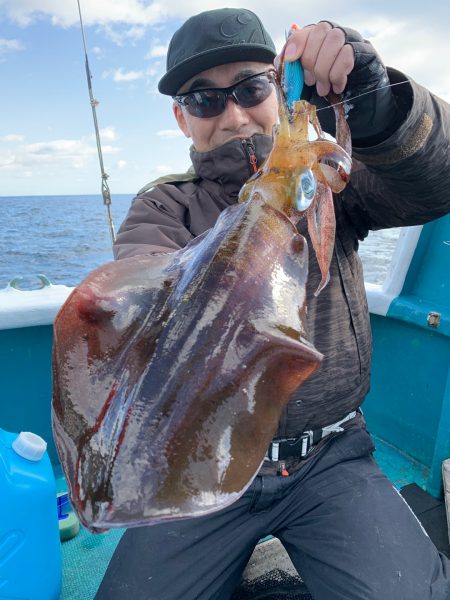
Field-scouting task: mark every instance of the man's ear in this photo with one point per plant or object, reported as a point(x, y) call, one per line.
point(179, 116)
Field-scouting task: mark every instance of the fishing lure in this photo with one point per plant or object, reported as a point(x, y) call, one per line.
point(293, 78)
point(293, 82)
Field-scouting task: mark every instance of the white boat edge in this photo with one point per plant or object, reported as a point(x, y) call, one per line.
point(30, 308)
point(380, 297)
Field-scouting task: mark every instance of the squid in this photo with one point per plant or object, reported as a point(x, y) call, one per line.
point(170, 371)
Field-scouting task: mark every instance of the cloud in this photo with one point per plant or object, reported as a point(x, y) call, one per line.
point(157, 52)
point(101, 12)
point(120, 35)
point(120, 75)
point(403, 32)
point(108, 133)
point(407, 38)
point(275, 16)
point(97, 51)
point(12, 137)
point(121, 164)
point(67, 152)
point(7, 46)
point(169, 134)
point(7, 160)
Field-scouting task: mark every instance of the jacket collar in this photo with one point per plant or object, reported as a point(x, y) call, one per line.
point(230, 164)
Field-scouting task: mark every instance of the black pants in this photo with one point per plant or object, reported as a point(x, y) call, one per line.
point(347, 530)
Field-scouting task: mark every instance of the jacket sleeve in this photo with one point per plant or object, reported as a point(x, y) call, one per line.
point(405, 180)
point(156, 222)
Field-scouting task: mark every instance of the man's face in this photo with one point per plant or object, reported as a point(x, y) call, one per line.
point(235, 121)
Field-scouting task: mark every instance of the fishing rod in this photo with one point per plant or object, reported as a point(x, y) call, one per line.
point(94, 103)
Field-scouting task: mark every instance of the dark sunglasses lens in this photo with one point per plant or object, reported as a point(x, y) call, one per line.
point(253, 91)
point(207, 103)
point(211, 103)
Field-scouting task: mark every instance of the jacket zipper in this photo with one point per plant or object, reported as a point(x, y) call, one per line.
point(249, 149)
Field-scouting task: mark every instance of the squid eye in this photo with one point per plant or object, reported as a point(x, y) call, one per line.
point(306, 190)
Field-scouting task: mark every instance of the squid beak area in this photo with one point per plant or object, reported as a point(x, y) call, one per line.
point(334, 163)
point(336, 176)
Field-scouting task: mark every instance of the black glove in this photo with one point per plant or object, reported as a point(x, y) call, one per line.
point(374, 116)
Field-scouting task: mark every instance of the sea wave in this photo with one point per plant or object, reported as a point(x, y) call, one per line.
point(66, 237)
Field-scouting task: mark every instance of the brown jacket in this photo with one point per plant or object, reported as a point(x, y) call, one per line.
point(405, 180)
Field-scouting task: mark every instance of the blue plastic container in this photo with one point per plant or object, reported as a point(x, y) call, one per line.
point(30, 551)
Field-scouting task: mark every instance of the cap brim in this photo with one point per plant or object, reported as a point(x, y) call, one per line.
point(172, 81)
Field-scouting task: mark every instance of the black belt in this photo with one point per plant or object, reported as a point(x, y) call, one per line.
point(282, 448)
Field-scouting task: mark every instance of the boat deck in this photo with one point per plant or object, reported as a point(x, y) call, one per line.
point(86, 557)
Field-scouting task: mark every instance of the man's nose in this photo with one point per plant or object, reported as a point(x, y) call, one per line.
point(234, 115)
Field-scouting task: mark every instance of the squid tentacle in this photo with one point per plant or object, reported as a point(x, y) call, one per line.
point(322, 227)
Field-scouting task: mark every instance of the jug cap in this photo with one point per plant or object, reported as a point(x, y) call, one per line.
point(29, 446)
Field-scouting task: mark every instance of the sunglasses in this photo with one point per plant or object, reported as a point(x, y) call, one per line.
point(249, 92)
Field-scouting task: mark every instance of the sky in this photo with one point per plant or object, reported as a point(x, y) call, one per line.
point(47, 143)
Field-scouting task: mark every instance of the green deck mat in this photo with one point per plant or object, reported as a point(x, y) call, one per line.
point(86, 557)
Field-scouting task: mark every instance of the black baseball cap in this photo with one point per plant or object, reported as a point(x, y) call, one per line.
point(213, 38)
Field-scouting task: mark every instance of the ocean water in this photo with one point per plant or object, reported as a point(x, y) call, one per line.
point(63, 237)
point(66, 237)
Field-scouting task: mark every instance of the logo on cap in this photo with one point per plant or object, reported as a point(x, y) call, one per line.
point(234, 24)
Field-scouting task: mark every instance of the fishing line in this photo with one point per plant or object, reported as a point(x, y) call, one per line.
point(352, 97)
point(106, 194)
point(363, 94)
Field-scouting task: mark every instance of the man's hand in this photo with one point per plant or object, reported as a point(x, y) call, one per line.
point(326, 57)
point(340, 59)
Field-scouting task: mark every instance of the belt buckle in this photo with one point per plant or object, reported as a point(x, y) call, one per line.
point(274, 451)
point(307, 443)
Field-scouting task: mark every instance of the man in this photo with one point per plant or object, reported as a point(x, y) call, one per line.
point(347, 530)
